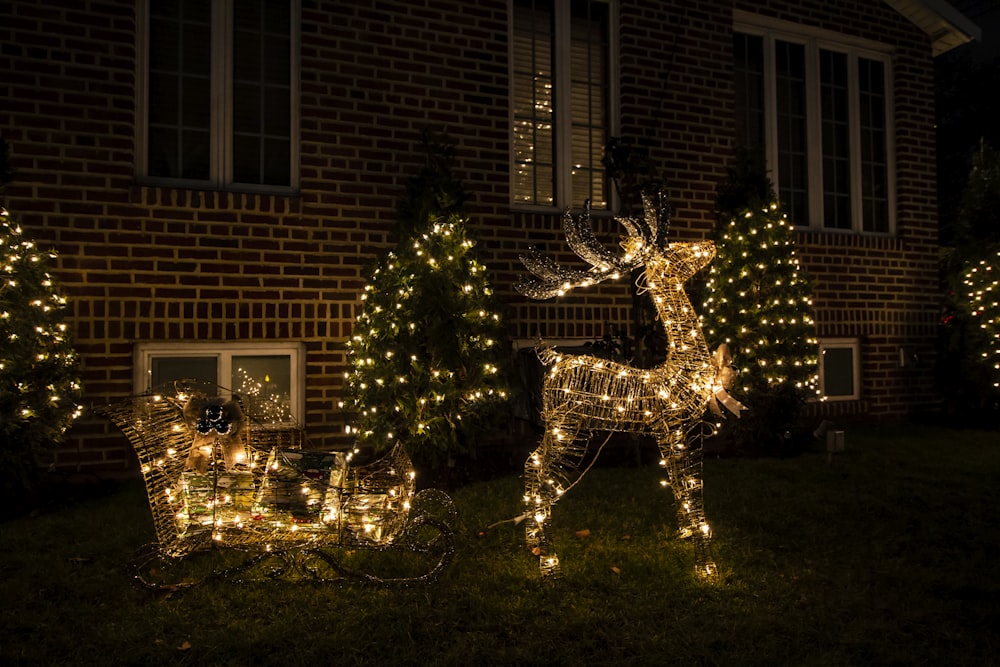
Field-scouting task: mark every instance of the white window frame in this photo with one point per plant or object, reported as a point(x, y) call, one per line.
point(562, 110)
point(221, 125)
point(223, 352)
point(814, 40)
point(852, 344)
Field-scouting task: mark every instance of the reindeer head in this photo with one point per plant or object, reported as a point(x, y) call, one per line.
point(644, 244)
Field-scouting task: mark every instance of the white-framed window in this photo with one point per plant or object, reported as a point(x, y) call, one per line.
point(562, 112)
point(268, 377)
point(840, 369)
point(819, 107)
point(218, 93)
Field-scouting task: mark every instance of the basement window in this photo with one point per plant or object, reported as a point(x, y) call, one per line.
point(267, 377)
point(840, 369)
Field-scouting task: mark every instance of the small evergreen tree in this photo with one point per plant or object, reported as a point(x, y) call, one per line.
point(427, 352)
point(39, 388)
point(982, 303)
point(758, 302)
point(979, 213)
point(970, 330)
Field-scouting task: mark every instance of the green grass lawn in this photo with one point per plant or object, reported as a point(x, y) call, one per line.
point(889, 556)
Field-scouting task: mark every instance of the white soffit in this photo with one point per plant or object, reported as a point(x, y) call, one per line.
point(945, 25)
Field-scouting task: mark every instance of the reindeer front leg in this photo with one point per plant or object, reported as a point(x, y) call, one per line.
point(682, 458)
point(539, 497)
point(548, 472)
point(541, 492)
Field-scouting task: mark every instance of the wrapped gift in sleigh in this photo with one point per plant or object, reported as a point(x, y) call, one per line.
point(238, 499)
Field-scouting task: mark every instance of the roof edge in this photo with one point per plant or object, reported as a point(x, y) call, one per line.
point(947, 27)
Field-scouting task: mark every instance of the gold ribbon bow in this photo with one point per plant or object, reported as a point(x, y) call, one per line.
point(725, 376)
point(214, 421)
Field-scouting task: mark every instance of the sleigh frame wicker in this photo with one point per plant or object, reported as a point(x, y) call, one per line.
point(239, 500)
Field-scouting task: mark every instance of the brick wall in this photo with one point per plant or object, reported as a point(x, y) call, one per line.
point(148, 263)
point(676, 101)
point(883, 291)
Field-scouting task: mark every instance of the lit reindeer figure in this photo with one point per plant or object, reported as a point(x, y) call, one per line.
point(582, 394)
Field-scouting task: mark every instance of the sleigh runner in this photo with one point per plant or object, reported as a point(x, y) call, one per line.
point(238, 499)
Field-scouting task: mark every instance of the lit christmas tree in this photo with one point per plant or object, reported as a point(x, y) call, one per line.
point(982, 301)
point(39, 389)
point(758, 302)
point(427, 350)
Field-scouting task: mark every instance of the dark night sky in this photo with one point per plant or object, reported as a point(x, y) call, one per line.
point(985, 14)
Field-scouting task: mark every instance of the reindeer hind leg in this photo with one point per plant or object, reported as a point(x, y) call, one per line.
point(681, 456)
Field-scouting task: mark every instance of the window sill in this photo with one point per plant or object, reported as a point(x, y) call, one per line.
point(199, 196)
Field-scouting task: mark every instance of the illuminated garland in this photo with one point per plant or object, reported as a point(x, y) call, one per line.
point(582, 394)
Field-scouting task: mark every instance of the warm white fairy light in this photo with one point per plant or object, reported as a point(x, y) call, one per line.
point(582, 394)
point(37, 364)
point(982, 282)
point(273, 496)
point(381, 326)
point(750, 349)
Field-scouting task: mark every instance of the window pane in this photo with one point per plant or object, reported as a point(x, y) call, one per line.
point(276, 114)
point(264, 383)
point(793, 171)
point(749, 76)
point(261, 92)
point(838, 371)
point(179, 89)
point(588, 102)
point(532, 82)
point(195, 153)
point(874, 152)
point(276, 159)
point(247, 116)
point(204, 371)
point(246, 159)
point(836, 140)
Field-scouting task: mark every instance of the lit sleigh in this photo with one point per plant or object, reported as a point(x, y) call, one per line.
point(241, 499)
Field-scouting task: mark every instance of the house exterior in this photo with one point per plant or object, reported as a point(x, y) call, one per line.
point(216, 175)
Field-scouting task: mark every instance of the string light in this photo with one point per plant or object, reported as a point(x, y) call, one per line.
point(425, 344)
point(218, 477)
point(582, 394)
point(39, 387)
point(755, 292)
point(982, 281)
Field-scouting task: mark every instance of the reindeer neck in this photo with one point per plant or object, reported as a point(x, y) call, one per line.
point(676, 315)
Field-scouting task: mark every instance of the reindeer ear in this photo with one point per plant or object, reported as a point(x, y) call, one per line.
point(656, 213)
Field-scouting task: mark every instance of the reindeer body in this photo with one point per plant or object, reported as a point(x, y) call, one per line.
point(582, 394)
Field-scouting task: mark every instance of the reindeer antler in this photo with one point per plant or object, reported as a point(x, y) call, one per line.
point(553, 279)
